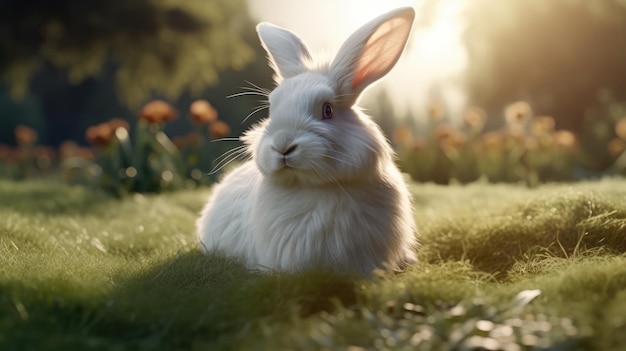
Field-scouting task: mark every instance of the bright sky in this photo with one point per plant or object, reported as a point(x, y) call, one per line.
point(434, 55)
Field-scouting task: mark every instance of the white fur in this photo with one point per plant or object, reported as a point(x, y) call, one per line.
point(318, 193)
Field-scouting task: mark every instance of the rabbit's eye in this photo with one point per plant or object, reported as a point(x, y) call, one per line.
point(327, 111)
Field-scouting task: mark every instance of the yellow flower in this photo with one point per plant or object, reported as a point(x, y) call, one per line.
point(475, 118)
point(518, 113)
point(435, 112)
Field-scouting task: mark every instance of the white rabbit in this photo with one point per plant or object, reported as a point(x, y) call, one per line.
point(321, 189)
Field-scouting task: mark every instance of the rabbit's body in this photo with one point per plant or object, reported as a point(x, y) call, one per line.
point(321, 190)
point(293, 228)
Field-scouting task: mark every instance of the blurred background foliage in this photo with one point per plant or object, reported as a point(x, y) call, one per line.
point(567, 58)
point(544, 87)
point(66, 65)
point(170, 41)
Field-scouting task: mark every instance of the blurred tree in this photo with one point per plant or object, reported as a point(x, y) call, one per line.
point(378, 105)
point(150, 46)
point(29, 112)
point(562, 56)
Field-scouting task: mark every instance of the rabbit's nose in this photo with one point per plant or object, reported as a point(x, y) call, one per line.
point(283, 143)
point(287, 150)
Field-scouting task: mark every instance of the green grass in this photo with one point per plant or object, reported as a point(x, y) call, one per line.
point(80, 270)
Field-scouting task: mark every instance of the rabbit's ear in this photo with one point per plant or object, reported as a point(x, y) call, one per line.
point(287, 52)
point(371, 52)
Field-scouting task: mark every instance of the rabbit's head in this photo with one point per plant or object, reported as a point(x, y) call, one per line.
point(314, 133)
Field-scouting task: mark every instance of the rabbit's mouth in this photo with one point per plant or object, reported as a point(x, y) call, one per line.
point(286, 166)
point(284, 162)
point(287, 176)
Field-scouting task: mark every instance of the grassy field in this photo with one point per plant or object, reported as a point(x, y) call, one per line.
point(80, 270)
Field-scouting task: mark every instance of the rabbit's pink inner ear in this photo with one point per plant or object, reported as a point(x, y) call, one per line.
point(381, 51)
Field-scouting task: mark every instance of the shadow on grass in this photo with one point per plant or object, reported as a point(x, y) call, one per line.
point(186, 301)
point(194, 300)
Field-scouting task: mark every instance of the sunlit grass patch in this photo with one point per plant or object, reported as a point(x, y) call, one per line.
point(493, 227)
point(80, 269)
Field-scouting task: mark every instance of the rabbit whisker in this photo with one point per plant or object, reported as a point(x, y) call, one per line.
point(258, 109)
point(226, 139)
point(250, 91)
point(244, 93)
point(224, 164)
point(227, 158)
point(258, 88)
point(229, 152)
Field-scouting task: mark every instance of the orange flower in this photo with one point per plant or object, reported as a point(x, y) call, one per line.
point(616, 147)
point(69, 149)
point(45, 151)
point(180, 142)
point(455, 143)
point(19, 153)
point(25, 135)
point(116, 123)
point(514, 136)
point(620, 128)
point(542, 125)
point(201, 112)
point(565, 139)
point(419, 144)
point(158, 111)
point(219, 129)
point(191, 140)
point(194, 139)
point(444, 131)
point(44, 155)
point(5, 152)
point(100, 134)
point(86, 153)
point(449, 138)
point(531, 143)
point(492, 141)
point(403, 135)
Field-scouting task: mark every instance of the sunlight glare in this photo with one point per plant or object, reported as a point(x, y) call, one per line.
point(429, 69)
